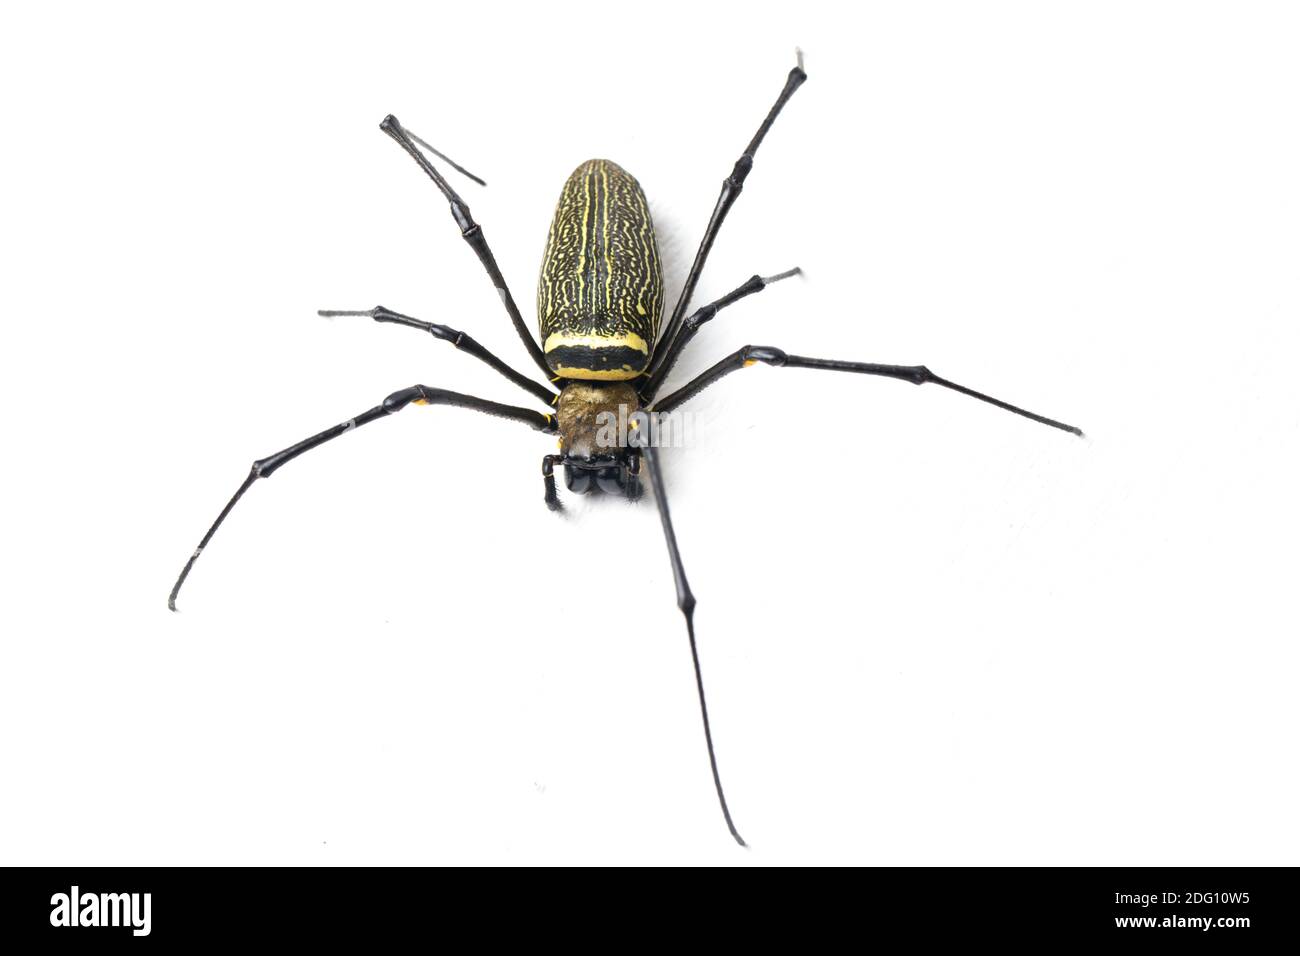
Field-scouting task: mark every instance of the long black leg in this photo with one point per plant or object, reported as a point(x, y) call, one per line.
point(472, 233)
point(447, 159)
point(731, 187)
point(697, 319)
point(548, 480)
point(460, 340)
point(686, 601)
point(917, 374)
point(417, 394)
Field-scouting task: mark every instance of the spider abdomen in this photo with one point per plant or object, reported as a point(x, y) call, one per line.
point(600, 296)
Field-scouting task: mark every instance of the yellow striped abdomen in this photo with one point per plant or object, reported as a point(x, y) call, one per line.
point(600, 297)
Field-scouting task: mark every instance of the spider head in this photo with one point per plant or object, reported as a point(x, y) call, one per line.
point(594, 420)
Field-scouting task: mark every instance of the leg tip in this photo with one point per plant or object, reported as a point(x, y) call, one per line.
point(787, 274)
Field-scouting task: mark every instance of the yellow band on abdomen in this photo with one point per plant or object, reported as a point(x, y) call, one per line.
point(597, 375)
point(628, 340)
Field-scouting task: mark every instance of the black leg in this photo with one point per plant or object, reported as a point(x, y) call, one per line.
point(417, 394)
point(632, 489)
point(548, 479)
point(459, 339)
point(697, 319)
point(472, 233)
point(686, 601)
point(731, 187)
point(917, 374)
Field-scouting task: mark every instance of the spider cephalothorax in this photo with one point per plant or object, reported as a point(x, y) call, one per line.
point(593, 422)
point(586, 411)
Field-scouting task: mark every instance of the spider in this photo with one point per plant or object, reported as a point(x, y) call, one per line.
point(604, 351)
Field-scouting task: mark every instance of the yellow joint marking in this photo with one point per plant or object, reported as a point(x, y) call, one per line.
point(629, 340)
point(556, 379)
point(749, 362)
point(419, 401)
point(555, 400)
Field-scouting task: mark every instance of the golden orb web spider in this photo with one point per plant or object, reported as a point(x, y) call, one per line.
point(604, 351)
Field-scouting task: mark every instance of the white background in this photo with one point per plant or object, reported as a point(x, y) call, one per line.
point(933, 633)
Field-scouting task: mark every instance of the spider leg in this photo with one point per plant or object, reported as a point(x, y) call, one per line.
point(696, 319)
point(731, 187)
point(548, 479)
point(686, 602)
point(459, 339)
point(472, 233)
point(632, 490)
point(917, 374)
point(416, 394)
